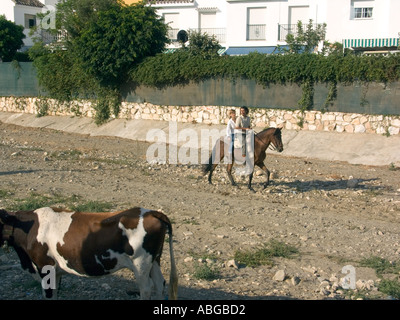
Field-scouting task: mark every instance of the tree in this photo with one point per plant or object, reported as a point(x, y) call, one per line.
point(105, 40)
point(305, 40)
point(119, 39)
point(11, 38)
point(201, 44)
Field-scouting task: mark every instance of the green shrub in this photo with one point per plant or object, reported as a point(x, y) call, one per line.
point(264, 254)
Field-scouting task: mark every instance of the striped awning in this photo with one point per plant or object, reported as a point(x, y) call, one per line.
point(371, 43)
point(171, 50)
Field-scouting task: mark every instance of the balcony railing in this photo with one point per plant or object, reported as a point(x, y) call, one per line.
point(285, 29)
point(256, 32)
point(48, 37)
point(173, 34)
point(218, 33)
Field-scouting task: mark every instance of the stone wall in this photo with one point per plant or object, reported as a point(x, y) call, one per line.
point(261, 117)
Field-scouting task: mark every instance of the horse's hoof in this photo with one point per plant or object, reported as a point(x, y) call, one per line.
point(251, 189)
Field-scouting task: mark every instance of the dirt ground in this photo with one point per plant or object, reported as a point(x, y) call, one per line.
point(334, 213)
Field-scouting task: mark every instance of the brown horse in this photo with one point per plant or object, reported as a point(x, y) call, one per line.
point(262, 140)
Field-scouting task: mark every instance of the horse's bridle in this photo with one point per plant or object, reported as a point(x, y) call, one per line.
point(271, 146)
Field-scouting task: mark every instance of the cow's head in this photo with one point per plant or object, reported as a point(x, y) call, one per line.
point(5, 220)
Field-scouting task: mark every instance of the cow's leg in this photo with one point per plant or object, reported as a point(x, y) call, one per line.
point(141, 268)
point(158, 281)
point(50, 288)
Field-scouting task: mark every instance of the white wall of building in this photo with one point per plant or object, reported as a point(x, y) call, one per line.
point(342, 25)
point(17, 14)
point(7, 8)
point(337, 14)
point(234, 16)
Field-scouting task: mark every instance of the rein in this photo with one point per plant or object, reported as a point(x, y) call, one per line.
point(269, 145)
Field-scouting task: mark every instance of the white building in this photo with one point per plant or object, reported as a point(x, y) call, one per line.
point(24, 12)
point(242, 26)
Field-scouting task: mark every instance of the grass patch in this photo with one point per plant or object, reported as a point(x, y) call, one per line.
point(390, 287)
point(380, 265)
point(34, 201)
point(74, 202)
point(93, 206)
point(204, 271)
point(5, 193)
point(66, 155)
point(264, 254)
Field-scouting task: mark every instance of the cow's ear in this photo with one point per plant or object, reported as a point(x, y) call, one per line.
point(5, 218)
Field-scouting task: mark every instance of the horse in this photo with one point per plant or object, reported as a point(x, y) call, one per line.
point(262, 141)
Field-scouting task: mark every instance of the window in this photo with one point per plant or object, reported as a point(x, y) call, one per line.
point(362, 9)
point(208, 24)
point(363, 13)
point(256, 18)
point(298, 13)
point(172, 20)
point(30, 21)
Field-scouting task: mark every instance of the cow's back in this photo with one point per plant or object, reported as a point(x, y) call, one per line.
point(96, 244)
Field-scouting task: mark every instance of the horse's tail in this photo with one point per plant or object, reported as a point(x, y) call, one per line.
point(215, 156)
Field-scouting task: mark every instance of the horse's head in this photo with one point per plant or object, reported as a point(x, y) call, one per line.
point(277, 139)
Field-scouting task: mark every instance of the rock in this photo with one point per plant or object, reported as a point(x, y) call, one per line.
point(352, 183)
point(106, 286)
point(232, 264)
point(295, 281)
point(310, 269)
point(365, 285)
point(325, 292)
point(259, 172)
point(280, 275)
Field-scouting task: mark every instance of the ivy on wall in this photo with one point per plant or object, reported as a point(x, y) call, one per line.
point(180, 68)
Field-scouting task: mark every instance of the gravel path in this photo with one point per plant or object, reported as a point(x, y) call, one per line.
point(334, 213)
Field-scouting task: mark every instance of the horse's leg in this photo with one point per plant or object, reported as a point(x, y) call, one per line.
point(229, 170)
point(250, 179)
point(211, 172)
point(263, 167)
point(212, 161)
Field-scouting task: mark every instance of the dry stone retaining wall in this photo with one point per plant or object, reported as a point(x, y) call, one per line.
point(261, 117)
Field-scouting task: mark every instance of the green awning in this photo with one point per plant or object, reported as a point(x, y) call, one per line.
point(371, 43)
point(171, 50)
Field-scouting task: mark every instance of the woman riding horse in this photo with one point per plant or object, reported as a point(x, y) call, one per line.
point(262, 140)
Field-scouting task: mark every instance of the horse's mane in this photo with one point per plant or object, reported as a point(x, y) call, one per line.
point(266, 129)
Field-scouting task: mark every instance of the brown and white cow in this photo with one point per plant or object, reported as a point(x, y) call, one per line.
point(91, 244)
